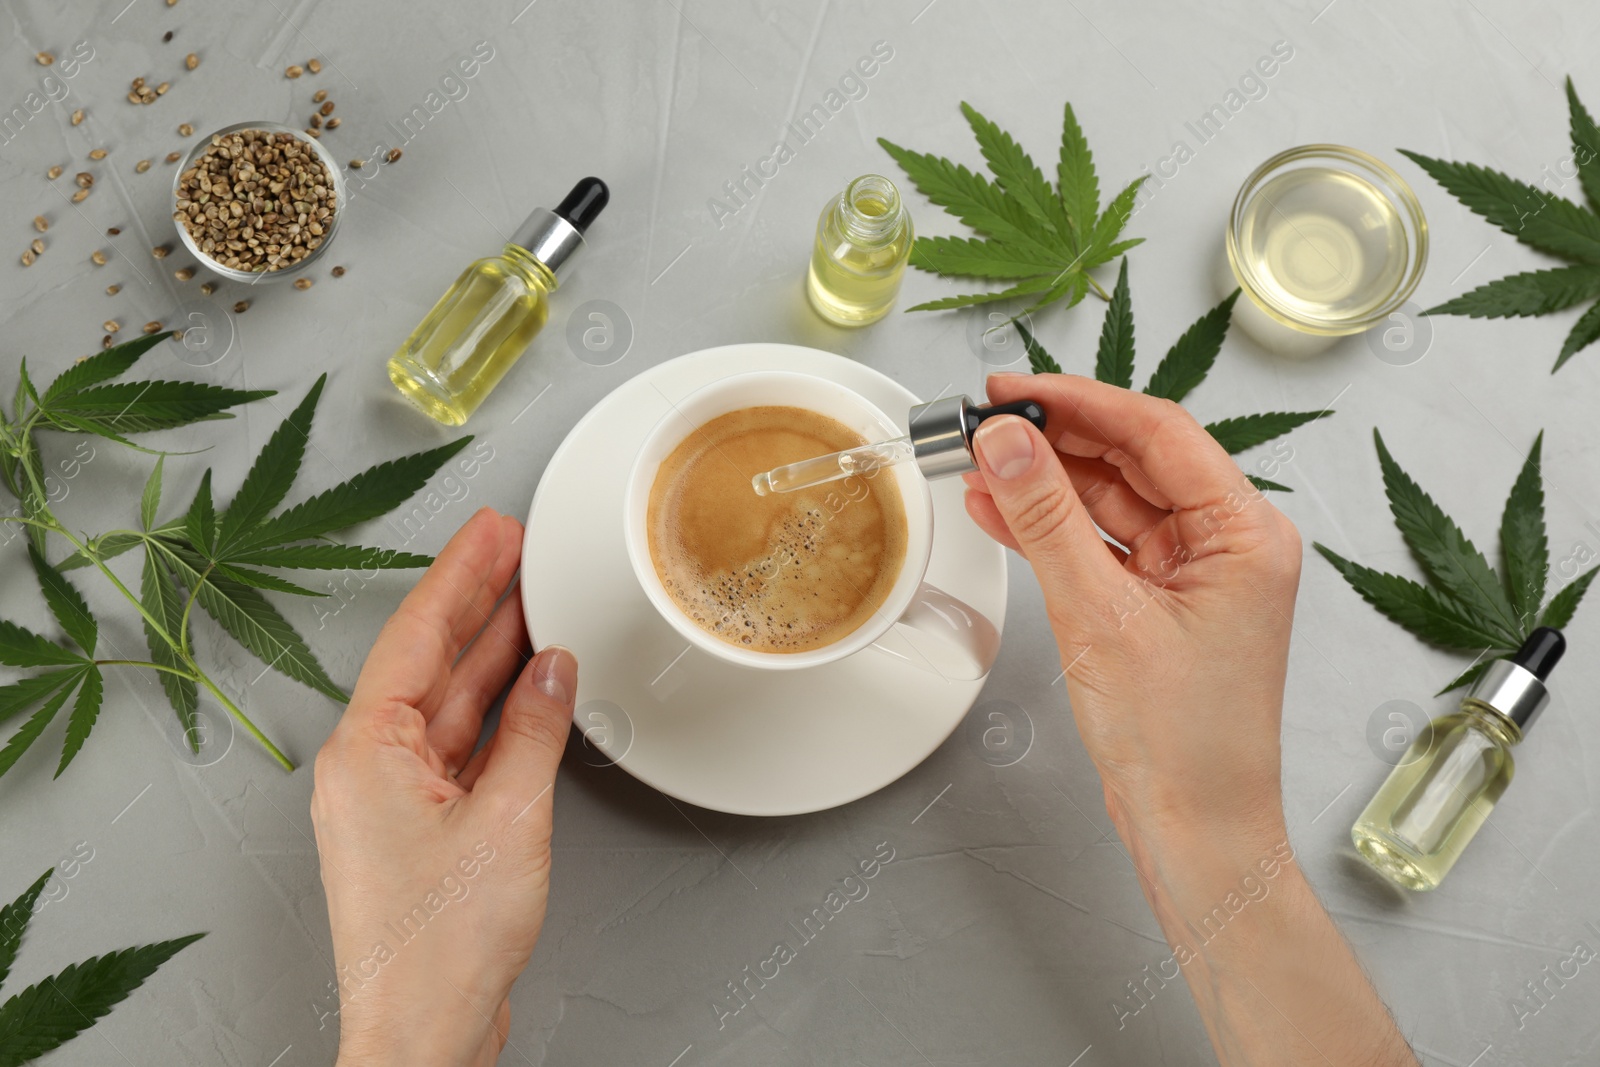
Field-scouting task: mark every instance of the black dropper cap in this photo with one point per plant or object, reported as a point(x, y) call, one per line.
point(1541, 652)
point(1515, 688)
point(584, 204)
point(1027, 409)
point(553, 236)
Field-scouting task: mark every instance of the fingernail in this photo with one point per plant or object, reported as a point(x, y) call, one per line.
point(1005, 446)
point(1008, 374)
point(555, 673)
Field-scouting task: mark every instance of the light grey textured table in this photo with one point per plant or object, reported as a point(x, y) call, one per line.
point(1009, 923)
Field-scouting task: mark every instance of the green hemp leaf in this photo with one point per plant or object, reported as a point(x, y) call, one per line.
point(1463, 604)
point(221, 559)
point(1040, 239)
point(54, 1010)
point(1185, 366)
point(1540, 220)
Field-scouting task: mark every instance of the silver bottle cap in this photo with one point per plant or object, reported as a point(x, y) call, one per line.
point(1513, 691)
point(941, 431)
point(549, 238)
point(939, 437)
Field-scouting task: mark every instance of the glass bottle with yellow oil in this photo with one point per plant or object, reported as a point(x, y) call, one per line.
point(1447, 783)
point(484, 322)
point(863, 242)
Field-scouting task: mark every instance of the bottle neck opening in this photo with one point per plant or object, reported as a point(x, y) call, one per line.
point(870, 208)
point(1493, 721)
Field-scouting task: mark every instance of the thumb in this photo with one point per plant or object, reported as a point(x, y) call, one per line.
point(532, 735)
point(1041, 508)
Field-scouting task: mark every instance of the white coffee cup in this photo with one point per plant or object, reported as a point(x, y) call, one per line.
point(952, 639)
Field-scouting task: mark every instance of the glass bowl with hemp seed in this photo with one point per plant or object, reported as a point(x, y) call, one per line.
point(258, 201)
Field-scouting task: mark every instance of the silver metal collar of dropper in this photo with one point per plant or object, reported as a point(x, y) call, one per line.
point(939, 437)
point(1511, 690)
point(549, 238)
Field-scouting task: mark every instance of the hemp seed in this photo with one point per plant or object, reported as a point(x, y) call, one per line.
point(185, 130)
point(98, 154)
point(241, 307)
point(141, 166)
point(183, 274)
point(319, 96)
point(45, 59)
point(54, 172)
point(294, 71)
point(111, 326)
point(77, 117)
point(98, 257)
point(302, 283)
point(41, 223)
point(152, 327)
point(113, 290)
point(37, 246)
point(191, 61)
point(393, 156)
point(314, 66)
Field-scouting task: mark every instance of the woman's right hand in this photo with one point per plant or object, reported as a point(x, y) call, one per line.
point(1175, 650)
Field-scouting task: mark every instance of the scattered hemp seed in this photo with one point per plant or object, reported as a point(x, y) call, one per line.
point(111, 326)
point(314, 66)
point(84, 179)
point(98, 154)
point(191, 61)
point(45, 59)
point(161, 251)
point(77, 117)
point(177, 335)
point(41, 223)
point(319, 96)
point(113, 231)
point(326, 108)
point(316, 121)
point(161, 90)
point(183, 274)
point(137, 83)
point(54, 172)
point(313, 133)
point(166, 37)
point(302, 283)
point(357, 164)
point(185, 130)
point(98, 257)
point(80, 196)
point(152, 327)
point(241, 307)
point(173, 157)
point(37, 246)
point(393, 156)
point(337, 272)
point(141, 166)
point(105, 342)
point(27, 257)
point(294, 71)
point(113, 290)
point(333, 123)
point(207, 288)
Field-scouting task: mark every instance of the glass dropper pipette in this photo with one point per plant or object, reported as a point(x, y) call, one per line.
point(940, 442)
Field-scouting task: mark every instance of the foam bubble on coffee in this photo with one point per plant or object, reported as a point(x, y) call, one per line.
point(787, 572)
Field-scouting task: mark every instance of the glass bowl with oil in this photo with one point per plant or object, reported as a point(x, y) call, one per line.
point(331, 227)
point(1327, 240)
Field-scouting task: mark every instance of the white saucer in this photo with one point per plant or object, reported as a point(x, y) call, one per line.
point(723, 737)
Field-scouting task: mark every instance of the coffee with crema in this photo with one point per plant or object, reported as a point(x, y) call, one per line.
point(787, 572)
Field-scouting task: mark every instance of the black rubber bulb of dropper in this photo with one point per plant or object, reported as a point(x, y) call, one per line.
point(584, 203)
point(1028, 409)
point(1541, 652)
